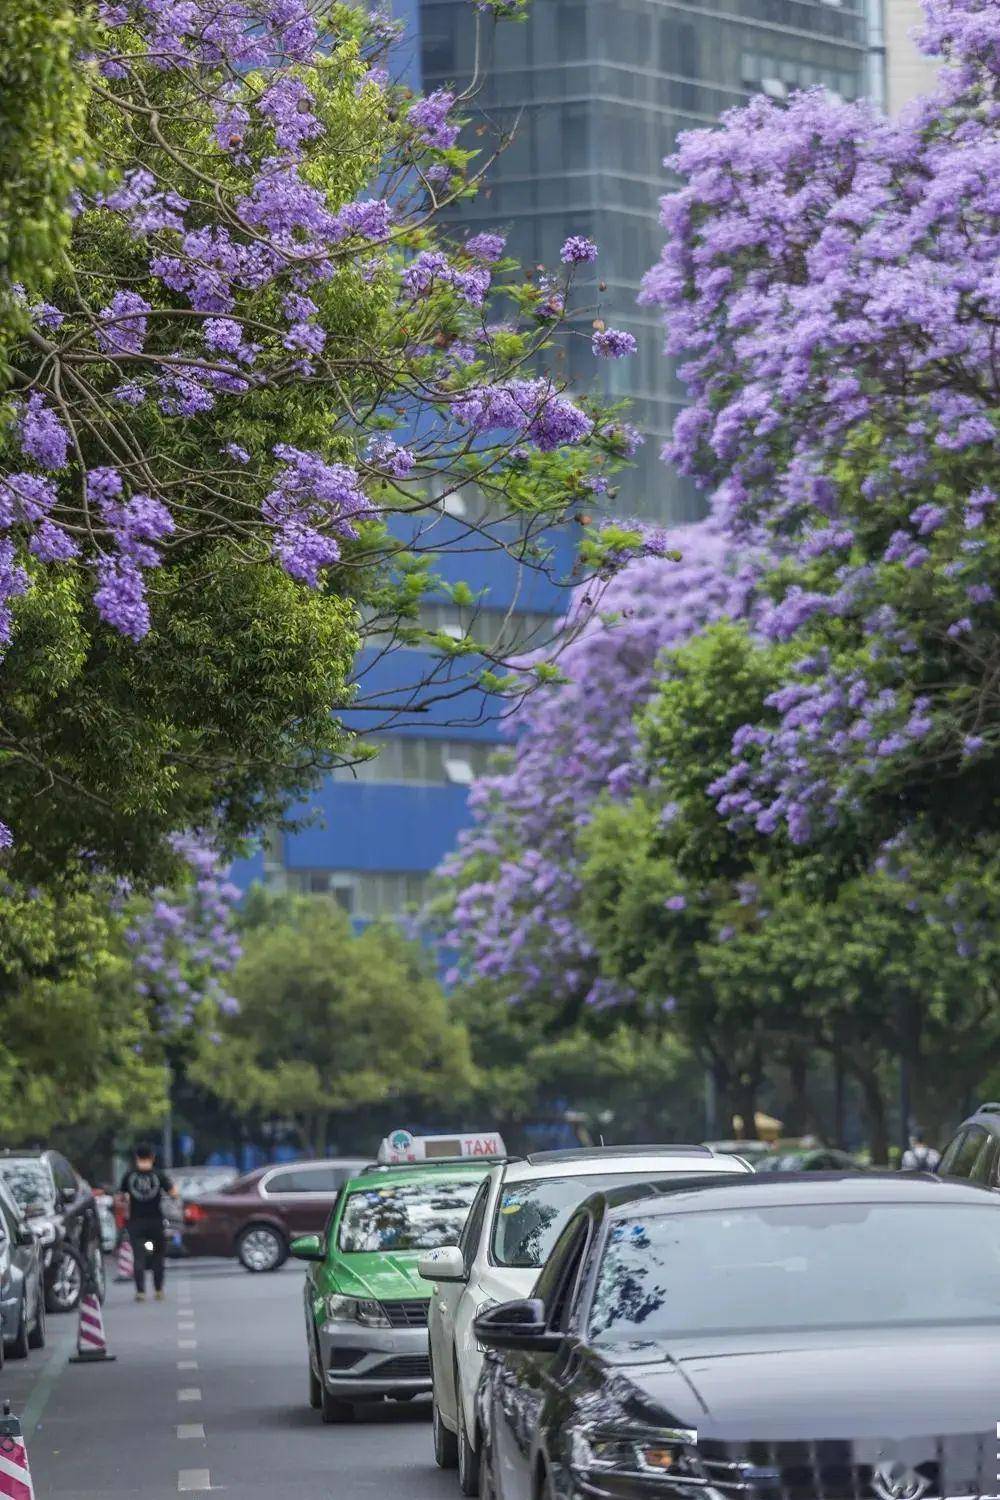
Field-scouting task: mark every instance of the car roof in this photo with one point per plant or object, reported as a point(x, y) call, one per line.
point(777, 1189)
point(987, 1115)
point(371, 1182)
point(8, 1155)
point(681, 1159)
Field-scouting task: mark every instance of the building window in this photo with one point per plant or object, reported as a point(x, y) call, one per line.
point(365, 894)
point(411, 760)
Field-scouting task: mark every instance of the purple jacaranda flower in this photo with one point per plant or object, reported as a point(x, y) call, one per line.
point(613, 343)
point(578, 251)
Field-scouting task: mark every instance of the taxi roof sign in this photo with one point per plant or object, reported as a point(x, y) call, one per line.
point(400, 1147)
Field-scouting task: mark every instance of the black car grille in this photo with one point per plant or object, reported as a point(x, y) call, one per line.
point(402, 1367)
point(831, 1471)
point(407, 1314)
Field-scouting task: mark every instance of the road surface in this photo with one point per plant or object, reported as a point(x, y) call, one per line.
point(208, 1390)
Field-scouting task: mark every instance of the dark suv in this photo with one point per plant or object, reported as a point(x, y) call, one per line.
point(61, 1211)
point(973, 1152)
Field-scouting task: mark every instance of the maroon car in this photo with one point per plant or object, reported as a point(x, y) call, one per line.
point(255, 1217)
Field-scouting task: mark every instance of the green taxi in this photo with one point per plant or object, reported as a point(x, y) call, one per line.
point(365, 1305)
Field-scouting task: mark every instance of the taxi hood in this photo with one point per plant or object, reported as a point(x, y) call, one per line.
point(383, 1274)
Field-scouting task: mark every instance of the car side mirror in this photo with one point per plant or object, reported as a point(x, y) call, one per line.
point(307, 1247)
point(516, 1325)
point(68, 1194)
point(444, 1264)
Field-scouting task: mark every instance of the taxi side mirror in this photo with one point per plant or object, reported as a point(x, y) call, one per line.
point(307, 1247)
point(444, 1264)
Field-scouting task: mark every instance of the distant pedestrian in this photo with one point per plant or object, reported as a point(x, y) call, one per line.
point(144, 1187)
point(920, 1157)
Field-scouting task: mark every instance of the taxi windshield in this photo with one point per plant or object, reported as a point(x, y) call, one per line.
point(407, 1216)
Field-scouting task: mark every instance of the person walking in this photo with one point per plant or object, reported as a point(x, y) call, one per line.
point(144, 1187)
point(920, 1157)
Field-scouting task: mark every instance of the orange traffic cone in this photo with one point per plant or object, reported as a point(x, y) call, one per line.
point(91, 1345)
point(15, 1475)
point(125, 1264)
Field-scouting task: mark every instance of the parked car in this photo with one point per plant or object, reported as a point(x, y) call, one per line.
point(809, 1336)
point(813, 1159)
point(973, 1153)
point(512, 1225)
point(22, 1290)
point(192, 1183)
point(257, 1216)
point(61, 1211)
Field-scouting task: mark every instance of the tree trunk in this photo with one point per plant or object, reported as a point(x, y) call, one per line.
point(839, 1099)
point(799, 1122)
point(878, 1129)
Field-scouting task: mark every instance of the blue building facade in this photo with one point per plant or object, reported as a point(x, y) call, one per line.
point(600, 90)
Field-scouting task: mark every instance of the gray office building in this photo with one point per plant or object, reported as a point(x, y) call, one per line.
point(598, 91)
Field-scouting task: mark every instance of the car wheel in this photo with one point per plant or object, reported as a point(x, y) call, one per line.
point(36, 1338)
point(445, 1442)
point(468, 1458)
point(334, 1411)
point(261, 1248)
point(19, 1346)
point(64, 1282)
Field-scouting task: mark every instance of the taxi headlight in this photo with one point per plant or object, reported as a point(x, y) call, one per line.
point(670, 1453)
point(363, 1310)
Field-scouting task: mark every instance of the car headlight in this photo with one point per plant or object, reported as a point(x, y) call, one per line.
point(44, 1230)
point(669, 1453)
point(363, 1310)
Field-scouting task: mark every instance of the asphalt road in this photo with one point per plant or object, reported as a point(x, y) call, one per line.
point(208, 1391)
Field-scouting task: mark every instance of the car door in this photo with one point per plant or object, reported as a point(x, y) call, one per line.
point(23, 1252)
point(522, 1381)
point(447, 1297)
point(302, 1195)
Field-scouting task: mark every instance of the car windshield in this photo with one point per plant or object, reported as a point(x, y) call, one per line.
point(407, 1216)
point(31, 1183)
point(530, 1215)
point(826, 1265)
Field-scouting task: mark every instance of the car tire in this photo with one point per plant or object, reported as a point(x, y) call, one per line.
point(261, 1248)
point(36, 1338)
point(19, 1348)
point(468, 1458)
point(445, 1441)
point(64, 1282)
point(334, 1412)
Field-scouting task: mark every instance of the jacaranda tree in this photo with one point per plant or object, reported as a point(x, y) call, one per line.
point(829, 282)
point(235, 419)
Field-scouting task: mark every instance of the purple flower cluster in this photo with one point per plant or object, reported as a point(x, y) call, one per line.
point(578, 251)
point(429, 118)
point(516, 872)
point(184, 943)
point(312, 505)
point(613, 343)
point(531, 408)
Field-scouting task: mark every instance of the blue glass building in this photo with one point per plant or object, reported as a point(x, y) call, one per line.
point(599, 90)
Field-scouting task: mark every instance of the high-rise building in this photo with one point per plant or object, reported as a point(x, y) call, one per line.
point(594, 93)
point(908, 71)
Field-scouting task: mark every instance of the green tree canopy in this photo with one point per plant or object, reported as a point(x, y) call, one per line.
point(330, 1020)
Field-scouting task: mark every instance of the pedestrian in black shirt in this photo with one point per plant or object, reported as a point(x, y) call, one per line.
point(144, 1186)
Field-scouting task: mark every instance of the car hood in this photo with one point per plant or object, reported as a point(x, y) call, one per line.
point(883, 1383)
point(382, 1274)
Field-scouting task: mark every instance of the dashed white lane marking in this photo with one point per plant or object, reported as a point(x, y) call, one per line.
point(187, 1343)
point(187, 1364)
point(191, 1430)
point(194, 1479)
point(189, 1393)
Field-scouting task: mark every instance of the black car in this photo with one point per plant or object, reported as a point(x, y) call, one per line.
point(762, 1338)
point(22, 1292)
point(61, 1211)
point(807, 1159)
point(973, 1152)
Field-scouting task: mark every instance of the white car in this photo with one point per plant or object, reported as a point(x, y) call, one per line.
point(515, 1219)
